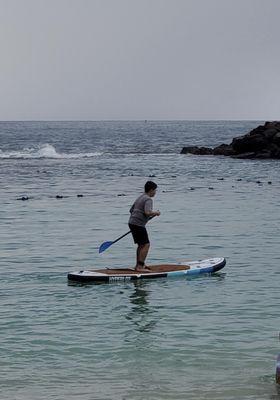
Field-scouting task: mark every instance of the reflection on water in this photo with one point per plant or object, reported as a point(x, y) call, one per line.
point(140, 296)
point(141, 313)
point(276, 396)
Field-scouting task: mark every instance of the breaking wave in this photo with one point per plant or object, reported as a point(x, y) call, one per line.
point(43, 151)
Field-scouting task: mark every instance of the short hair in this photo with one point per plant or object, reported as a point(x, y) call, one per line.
point(150, 185)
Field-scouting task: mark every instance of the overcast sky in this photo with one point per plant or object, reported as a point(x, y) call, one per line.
point(139, 59)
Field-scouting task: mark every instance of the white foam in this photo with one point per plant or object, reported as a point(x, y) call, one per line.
point(44, 151)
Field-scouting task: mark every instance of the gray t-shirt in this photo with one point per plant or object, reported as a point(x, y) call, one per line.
point(142, 204)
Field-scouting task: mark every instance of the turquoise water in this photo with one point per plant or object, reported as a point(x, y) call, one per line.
point(213, 337)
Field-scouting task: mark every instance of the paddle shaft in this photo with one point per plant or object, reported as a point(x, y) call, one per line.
point(104, 246)
point(115, 241)
point(128, 233)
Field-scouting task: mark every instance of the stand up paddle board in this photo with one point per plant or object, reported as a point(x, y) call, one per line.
point(208, 266)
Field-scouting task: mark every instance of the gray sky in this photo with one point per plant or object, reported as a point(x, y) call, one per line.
point(139, 59)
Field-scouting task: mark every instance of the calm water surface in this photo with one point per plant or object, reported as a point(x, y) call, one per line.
point(213, 337)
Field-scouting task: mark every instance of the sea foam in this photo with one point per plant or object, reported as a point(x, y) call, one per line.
point(44, 151)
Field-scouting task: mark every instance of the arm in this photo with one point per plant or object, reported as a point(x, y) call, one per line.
point(152, 213)
point(149, 209)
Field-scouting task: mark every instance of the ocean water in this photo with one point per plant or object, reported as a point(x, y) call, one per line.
point(211, 337)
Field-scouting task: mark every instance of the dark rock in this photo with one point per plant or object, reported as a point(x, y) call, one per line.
point(249, 143)
point(276, 139)
point(201, 151)
point(269, 133)
point(263, 154)
point(224, 150)
point(263, 142)
point(245, 155)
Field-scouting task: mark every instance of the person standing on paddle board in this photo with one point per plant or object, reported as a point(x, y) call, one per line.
point(140, 213)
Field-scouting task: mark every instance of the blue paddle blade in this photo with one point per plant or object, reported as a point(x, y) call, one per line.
point(104, 246)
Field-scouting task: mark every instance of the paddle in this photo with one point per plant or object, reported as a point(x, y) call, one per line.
point(105, 245)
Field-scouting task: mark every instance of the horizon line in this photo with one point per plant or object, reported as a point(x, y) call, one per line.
point(136, 120)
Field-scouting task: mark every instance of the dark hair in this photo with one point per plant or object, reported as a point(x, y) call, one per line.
point(149, 185)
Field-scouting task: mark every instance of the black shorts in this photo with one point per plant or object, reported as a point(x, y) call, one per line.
point(140, 234)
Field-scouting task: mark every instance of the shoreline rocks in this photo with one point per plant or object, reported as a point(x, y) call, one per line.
point(262, 142)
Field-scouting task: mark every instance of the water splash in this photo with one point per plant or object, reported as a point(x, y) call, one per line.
point(44, 151)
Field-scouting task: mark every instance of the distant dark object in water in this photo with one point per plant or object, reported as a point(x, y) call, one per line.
point(23, 198)
point(58, 196)
point(239, 180)
point(80, 195)
point(277, 375)
point(269, 183)
point(259, 182)
point(262, 142)
point(211, 188)
point(220, 179)
point(121, 194)
point(152, 176)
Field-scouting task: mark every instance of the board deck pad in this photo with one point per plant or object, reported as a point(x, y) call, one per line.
point(152, 268)
point(208, 266)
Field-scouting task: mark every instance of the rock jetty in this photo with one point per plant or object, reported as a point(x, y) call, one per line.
point(262, 142)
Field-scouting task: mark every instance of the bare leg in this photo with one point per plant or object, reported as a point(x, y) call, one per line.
point(141, 254)
point(144, 252)
point(138, 255)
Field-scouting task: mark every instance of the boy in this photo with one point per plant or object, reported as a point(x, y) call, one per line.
point(140, 213)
